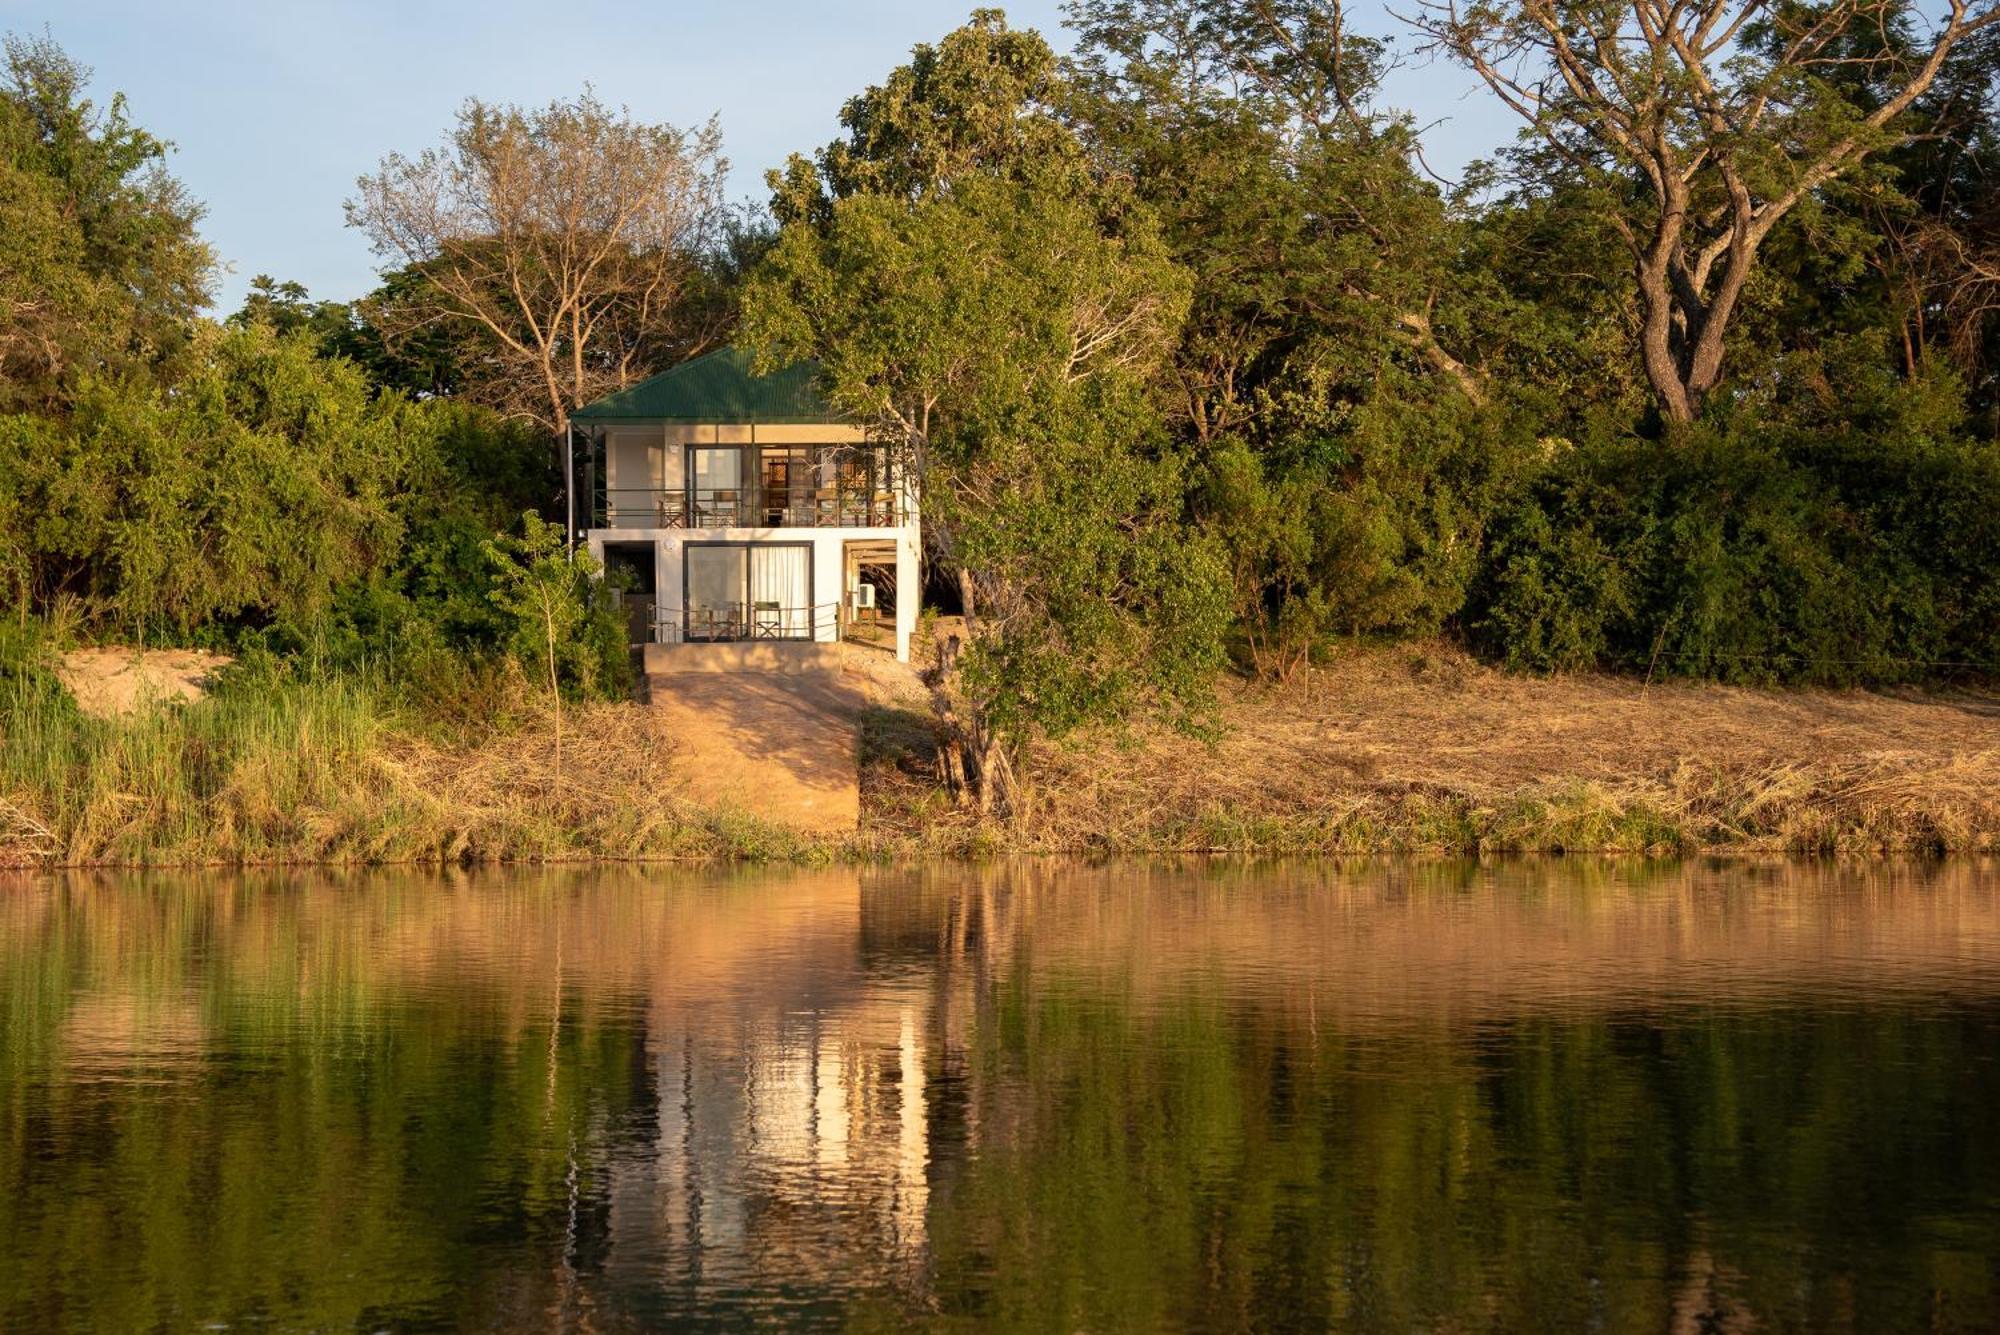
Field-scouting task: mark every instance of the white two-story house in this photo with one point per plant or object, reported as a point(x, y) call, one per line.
point(741, 508)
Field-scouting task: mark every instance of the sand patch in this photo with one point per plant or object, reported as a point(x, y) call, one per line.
point(112, 681)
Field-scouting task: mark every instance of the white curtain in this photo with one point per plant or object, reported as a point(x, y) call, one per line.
point(781, 580)
point(781, 575)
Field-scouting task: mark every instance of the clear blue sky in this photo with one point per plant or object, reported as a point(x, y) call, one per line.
point(276, 106)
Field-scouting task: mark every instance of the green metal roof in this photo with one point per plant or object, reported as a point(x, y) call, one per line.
point(717, 387)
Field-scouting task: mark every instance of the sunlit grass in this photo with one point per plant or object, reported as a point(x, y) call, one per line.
point(335, 768)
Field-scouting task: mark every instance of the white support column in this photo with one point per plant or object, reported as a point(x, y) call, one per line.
point(909, 591)
point(569, 488)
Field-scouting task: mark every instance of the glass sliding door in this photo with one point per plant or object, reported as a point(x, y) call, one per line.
point(716, 496)
point(748, 591)
point(716, 594)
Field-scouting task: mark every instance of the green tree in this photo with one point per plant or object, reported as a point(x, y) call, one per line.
point(250, 489)
point(1335, 380)
point(100, 264)
point(1699, 128)
point(985, 101)
point(554, 603)
point(1002, 326)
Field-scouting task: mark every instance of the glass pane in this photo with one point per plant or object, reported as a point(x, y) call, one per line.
point(718, 470)
point(718, 499)
point(780, 591)
point(786, 487)
point(715, 592)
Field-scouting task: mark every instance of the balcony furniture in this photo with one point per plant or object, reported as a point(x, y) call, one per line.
point(715, 623)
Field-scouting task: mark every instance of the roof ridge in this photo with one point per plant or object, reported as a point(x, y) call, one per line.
point(731, 391)
point(695, 360)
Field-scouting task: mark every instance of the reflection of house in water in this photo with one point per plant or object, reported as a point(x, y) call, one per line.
point(805, 1113)
point(768, 1094)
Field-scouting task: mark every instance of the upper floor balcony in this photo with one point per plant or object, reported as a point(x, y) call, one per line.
point(710, 445)
point(713, 508)
point(842, 485)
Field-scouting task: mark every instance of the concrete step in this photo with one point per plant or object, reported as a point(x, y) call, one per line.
point(783, 656)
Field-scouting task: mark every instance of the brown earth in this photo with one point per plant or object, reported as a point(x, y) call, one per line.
point(1349, 750)
point(779, 746)
point(111, 681)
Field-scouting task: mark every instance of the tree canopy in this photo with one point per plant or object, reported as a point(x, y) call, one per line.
point(567, 240)
point(1194, 359)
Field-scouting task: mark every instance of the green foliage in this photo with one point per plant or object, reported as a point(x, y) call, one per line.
point(982, 102)
point(967, 285)
point(1105, 603)
point(1175, 333)
point(100, 266)
point(1756, 551)
point(557, 618)
point(1359, 519)
point(1044, 476)
point(253, 488)
point(1347, 461)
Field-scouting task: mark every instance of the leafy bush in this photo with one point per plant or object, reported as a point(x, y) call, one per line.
point(561, 625)
point(1356, 518)
point(1754, 553)
point(250, 489)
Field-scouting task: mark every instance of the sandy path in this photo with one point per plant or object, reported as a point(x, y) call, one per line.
point(780, 746)
point(114, 680)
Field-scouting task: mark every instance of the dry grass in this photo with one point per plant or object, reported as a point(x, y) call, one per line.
point(1392, 750)
point(1423, 750)
point(322, 774)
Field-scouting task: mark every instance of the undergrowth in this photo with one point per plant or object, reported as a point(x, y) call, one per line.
point(279, 765)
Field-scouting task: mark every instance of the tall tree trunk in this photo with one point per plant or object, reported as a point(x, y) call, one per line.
point(972, 760)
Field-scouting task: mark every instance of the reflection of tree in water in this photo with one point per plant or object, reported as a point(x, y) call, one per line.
point(1394, 1104)
point(1384, 1098)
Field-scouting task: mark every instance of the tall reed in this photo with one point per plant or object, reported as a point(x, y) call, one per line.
point(244, 774)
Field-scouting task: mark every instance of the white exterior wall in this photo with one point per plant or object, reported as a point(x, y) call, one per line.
point(644, 457)
point(828, 566)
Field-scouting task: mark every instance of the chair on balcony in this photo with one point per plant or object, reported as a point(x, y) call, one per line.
point(715, 623)
point(718, 509)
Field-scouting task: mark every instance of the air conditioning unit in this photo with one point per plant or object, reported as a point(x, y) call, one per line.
point(864, 596)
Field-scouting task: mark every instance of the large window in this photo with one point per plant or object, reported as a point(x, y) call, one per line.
point(715, 487)
point(789, 486)
point(748, 591)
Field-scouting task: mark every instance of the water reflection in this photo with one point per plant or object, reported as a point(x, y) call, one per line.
point(1534, 1096)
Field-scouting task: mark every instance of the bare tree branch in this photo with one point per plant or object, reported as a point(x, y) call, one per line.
point(569, 236)
point(1731, 112)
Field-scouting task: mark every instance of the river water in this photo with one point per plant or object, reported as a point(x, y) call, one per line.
point(1530, 1096)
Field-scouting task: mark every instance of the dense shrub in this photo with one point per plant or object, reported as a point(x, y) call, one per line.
point(1357, 518)
point(1752, 553)
point(251, 488)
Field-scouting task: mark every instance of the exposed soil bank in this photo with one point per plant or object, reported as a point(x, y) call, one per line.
point(1420, 749)
point(1405, 750)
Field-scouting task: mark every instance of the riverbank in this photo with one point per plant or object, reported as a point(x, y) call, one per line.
point(1393, 750)
point(1423, 750)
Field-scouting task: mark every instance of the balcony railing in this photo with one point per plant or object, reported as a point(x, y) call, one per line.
point(679, 507)
point(737, 622)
